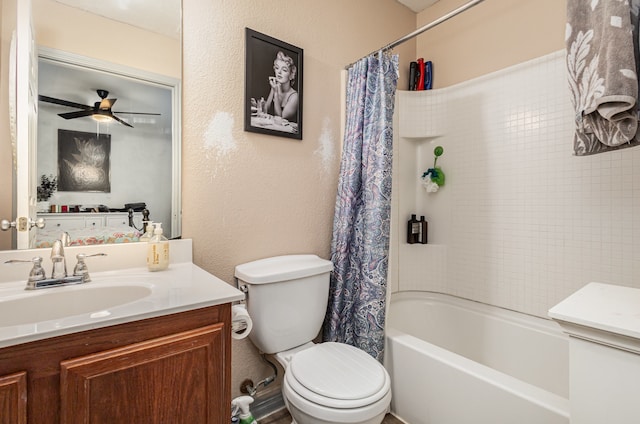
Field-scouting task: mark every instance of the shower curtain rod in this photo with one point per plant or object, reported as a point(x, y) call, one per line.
point(422, 29)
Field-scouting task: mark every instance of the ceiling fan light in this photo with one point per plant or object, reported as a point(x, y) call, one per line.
point(101, 118)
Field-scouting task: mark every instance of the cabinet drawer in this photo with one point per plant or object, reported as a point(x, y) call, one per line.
point(93, 222)
point(64, 223)
point(117, 221)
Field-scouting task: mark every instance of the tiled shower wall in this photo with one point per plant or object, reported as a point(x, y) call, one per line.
point(521, 222)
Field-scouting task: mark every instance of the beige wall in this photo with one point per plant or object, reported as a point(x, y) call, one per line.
point(66, 28)
point(246, 195)
point(490, 36)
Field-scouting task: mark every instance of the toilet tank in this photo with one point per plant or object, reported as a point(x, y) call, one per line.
point(286, 299)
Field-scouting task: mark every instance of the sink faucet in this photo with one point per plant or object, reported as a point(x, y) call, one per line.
point(59, 270)
point(59, 276)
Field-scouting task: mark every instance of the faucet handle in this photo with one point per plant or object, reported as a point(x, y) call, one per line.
point(81, 269)
point(37, 272)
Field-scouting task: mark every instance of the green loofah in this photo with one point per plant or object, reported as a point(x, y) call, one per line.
point(438, 176)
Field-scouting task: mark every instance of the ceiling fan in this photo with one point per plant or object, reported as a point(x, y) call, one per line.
point(100, 111)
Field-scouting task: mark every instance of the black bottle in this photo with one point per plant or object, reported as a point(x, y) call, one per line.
point(423, 230)
point(413, 230)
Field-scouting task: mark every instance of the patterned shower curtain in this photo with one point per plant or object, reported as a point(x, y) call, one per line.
point(360, 245)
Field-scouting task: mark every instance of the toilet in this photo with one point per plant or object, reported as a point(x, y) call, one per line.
point(323, 383)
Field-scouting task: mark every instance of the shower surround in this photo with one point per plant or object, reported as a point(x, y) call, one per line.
point(522, 222)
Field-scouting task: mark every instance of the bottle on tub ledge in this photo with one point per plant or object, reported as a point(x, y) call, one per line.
point(413, 230)
point(417, 230)
point(423, 230)
point(158, 250)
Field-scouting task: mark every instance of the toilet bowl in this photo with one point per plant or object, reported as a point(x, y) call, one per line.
point(329, 382)
point(334, 383)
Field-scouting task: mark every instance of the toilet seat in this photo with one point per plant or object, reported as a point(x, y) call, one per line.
point(336, 375)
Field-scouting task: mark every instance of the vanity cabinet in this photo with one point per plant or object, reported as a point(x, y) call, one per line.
point(168, 369)
point(13, 398)
point(76, 220)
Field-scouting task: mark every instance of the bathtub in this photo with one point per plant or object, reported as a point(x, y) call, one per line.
point(455, 361)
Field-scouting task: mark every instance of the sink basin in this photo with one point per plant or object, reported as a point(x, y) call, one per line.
point(56, 303)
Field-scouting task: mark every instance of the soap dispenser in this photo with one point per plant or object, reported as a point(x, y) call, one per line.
point(149, 233)
point(158, 250)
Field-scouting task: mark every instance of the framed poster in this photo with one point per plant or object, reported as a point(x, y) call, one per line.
point(84, 161)
point(273, 86)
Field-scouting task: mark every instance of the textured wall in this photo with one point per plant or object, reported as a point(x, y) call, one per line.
point(248, 196)
point(73, 30)
point(490, 36)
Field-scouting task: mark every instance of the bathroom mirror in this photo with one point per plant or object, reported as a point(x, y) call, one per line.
point(133, 50)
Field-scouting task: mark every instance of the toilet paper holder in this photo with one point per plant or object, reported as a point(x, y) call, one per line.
point(241, 323)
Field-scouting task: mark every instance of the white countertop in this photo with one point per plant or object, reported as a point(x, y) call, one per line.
point(182, 287)
point(605, 307)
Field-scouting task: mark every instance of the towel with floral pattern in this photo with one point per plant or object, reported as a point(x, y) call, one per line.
point(602, 45)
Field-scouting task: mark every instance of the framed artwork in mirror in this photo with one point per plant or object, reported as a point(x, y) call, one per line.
point(273, 86)
point(84, 161)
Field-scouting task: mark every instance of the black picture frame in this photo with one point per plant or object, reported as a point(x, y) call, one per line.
point(84, 161)
point(261, 53)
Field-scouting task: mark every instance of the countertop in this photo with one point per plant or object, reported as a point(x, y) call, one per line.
point(182, 287)
point(607, 307)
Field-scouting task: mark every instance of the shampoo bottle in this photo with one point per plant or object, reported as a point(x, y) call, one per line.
point(423, 230)
point(158, 250)
point(413, 230)
point(420, 83)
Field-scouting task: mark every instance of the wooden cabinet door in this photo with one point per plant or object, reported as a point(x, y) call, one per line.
point(176, 379)
point(13, 398)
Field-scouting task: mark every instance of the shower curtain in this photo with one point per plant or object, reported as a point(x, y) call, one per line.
point(360, 245)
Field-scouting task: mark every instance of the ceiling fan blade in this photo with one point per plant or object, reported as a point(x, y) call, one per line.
point(121, 121)
point(63, 102)
point(136, 113)
point(77, 114)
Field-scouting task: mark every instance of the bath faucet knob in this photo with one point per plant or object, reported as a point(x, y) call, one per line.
point(81, 269)
point(37, 272)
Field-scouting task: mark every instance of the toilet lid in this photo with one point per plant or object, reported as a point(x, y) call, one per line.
point(337, 375)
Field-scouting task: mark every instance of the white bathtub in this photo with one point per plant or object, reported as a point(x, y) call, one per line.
point(454, 361)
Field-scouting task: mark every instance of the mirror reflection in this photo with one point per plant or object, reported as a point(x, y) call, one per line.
point(105, 144)
point(130, 55)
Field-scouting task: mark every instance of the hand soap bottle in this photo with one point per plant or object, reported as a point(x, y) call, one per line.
point(158, 250)
point(149, 233)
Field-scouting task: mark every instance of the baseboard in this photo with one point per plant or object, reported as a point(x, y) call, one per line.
point(263, 407)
